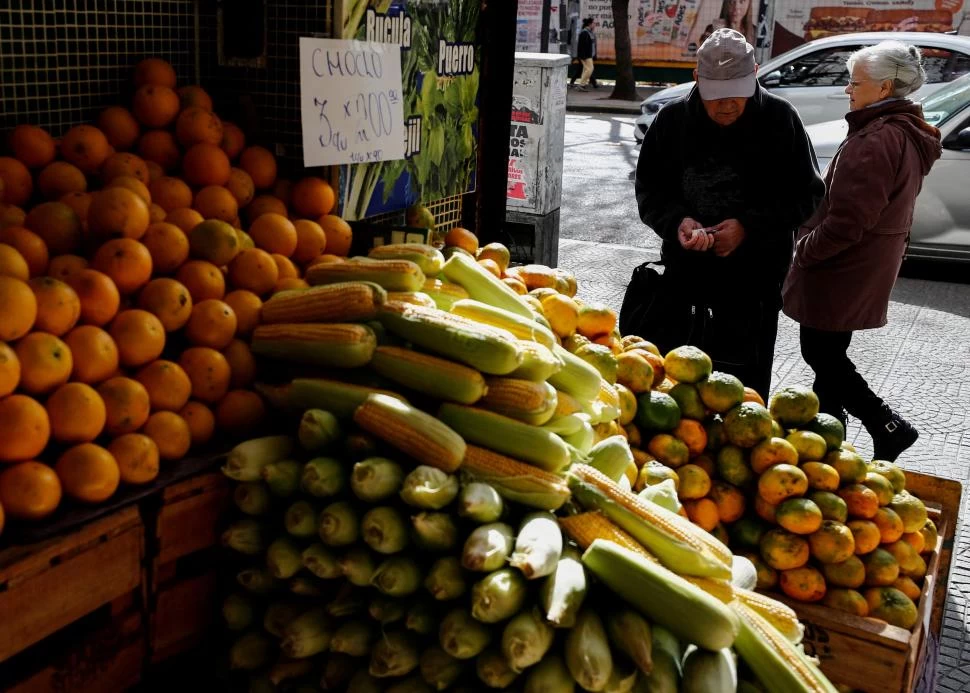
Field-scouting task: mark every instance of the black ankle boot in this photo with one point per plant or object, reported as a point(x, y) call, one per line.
point(891, 435)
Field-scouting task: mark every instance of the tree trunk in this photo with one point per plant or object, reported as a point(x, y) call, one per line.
point(626, 86)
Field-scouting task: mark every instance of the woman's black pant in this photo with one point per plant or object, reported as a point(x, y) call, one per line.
point(838, 384)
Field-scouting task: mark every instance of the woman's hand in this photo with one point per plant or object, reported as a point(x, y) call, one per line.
point(727, 236)
point(692, 235)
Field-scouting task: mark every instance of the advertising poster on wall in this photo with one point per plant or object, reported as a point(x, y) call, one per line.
point(440, 63)
point(528, 26)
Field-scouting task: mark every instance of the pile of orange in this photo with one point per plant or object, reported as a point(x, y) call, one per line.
point(135, 254)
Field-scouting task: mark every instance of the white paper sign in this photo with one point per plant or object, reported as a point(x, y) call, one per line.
point(351, 104)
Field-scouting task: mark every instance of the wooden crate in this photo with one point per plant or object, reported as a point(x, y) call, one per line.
point(44, 587)
point(189, 520)
point(869, 655)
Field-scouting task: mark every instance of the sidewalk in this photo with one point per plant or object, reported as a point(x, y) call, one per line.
point(598, 101)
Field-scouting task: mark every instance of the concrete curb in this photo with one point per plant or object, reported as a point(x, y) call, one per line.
point(602, 108)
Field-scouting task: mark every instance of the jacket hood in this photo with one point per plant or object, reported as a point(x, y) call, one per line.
point(908, 117)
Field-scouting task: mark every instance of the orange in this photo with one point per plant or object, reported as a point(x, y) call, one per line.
point(462, 238)
point(159, 146)
point(327, 257)
point(288, 283)
point(285, 268)
point(167, 300)
point(127, 404)
point(94, 353)
point(765, 510)
point(255, 270)
point(216, 202)
point(154, 171)
point(24, 428)
point(339, 234)
point(118, 212)
point(493, 268)
point(212, 324)
point(201, 421)
point(595, 319)
point(907, 586)
point(126, 261)
point(242, 364)
point(170, 193)
point(247, 306)
point(798, 515)
point(17, 183)
point(194, 95)
point(80, 202)
point(167, 384)
point(134, 185)
point(65, 267)
point(782, 481)
point(821, 476)
point(11, 215)
point(914, 539)
point(209, 372)
point(562, 313)
point(260, 164)
point(10, 370)
point(121, 164)
point(274, 233)
point(890, 525)
point(139, 335)
point(60, 178)
point(45, 363)
point(98, 295)
point(214, 241)
point(772, 451)
point(729, 500)
point(850, 573)
point(185, 218)
point(312, 197)
point(120, 127)
point(867, 535)
point(233, 140)
point(861, 500)
point(882, 568)
point(848, 601)
point(203, 280)
point(29, 491)
point(892, 606)
point(311, 241)
point(702, 513)
point(168, 246)
point(241, 186)
point(240, 411)
point(833, 542)
point(783, 550)
point(137, 457)
point(86, 147)
point(693, 435)
point(77, 413)
point(30, 246)
point(804, 584)
point(206, 164)
point(155, 106)
point(264, 204)
point(694, 482)
point(197, 124)
point(12, 263)
point(33, 146)
point(171, 434)
point(154, 71)
point(88, 473)
point(58, 306)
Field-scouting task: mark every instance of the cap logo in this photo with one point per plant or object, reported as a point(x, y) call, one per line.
point(724, 62)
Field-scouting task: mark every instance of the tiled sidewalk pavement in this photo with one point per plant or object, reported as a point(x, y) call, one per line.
point(920, 363)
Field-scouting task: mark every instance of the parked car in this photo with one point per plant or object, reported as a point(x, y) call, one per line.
point(941, 220)
point(813, 76)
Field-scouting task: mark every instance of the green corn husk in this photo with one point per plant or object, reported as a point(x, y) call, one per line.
point(630, 633)
point(421, 618)
point(666, 655)
point(283, 558)
point(376, 479)
point(321, 562)
point(709, 672)
point(338, 672)
point(237, 611)
point(493, 670)
point(323, 477)
point(462, 636)
point(445, 580)
point(288, 669)
point(435, 531)
point(278, 616)
point(526, 639)
point(252, 498)
point(623, 677)
point(429, 487)
point(394, 654)
point(283, 477)
point(488, 547)
point(247, 536)
point(611, 456)
point(439, 669)
point(412, 684)
point(245, 462)
point(563, 592)
point(385, 610)
point(363, 682)
point(360, 446)
point(318, 429)
point(385, 530)
point(257, 580)
point(306, 586)
point(397, 576)
point(307, 634)
point(663, 494)
point(338, 524)
point(354, 638)
point(358, 566)
point(349, 601)
point(550, 676)
point(250, 652)
point(480, 502)
point(498, 596)
point(588, 654)
point(538, 545)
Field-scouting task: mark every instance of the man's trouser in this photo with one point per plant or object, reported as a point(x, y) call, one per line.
point(587, 71)
point(837, 382)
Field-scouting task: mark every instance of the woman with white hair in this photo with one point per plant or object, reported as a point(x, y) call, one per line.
point(848, 254)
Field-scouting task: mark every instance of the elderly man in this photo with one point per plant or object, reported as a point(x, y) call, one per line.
point(725, 177)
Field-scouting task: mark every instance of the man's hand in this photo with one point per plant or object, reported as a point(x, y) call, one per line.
point(692, 235)
point(727, 237)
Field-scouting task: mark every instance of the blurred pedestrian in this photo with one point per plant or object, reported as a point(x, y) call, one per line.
point(586, 51)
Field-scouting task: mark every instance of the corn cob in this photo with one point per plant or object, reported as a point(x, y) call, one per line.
point(778, 664)
point(412, 431)
point(245, 462)
point(671, 538)
point(338, 398)
point(522, 328)
point(524, 400)
point(393, 275)
point(779, 615)
point(342, 302)
point(538, 362)
point(566, 404)
point(484, 286)
point(529, 443)
point(516, 481)
point(577, 377)
point(444, 294)
point(663, 596)
point(427, 257)
point(584, 528)
point(710, 672)
point(337, 345)
point(429, 375)
point(487, 349)
point(415, 298)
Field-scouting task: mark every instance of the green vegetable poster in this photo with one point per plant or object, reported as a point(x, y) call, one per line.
point(440, 62)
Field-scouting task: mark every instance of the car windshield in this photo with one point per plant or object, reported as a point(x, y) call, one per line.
point(939, 106)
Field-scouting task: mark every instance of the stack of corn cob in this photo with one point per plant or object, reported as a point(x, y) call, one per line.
point(455, 511)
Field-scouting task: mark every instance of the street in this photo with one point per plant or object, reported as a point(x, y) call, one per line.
point(919, 362)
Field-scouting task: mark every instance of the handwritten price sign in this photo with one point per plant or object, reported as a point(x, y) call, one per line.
point(351, 104)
